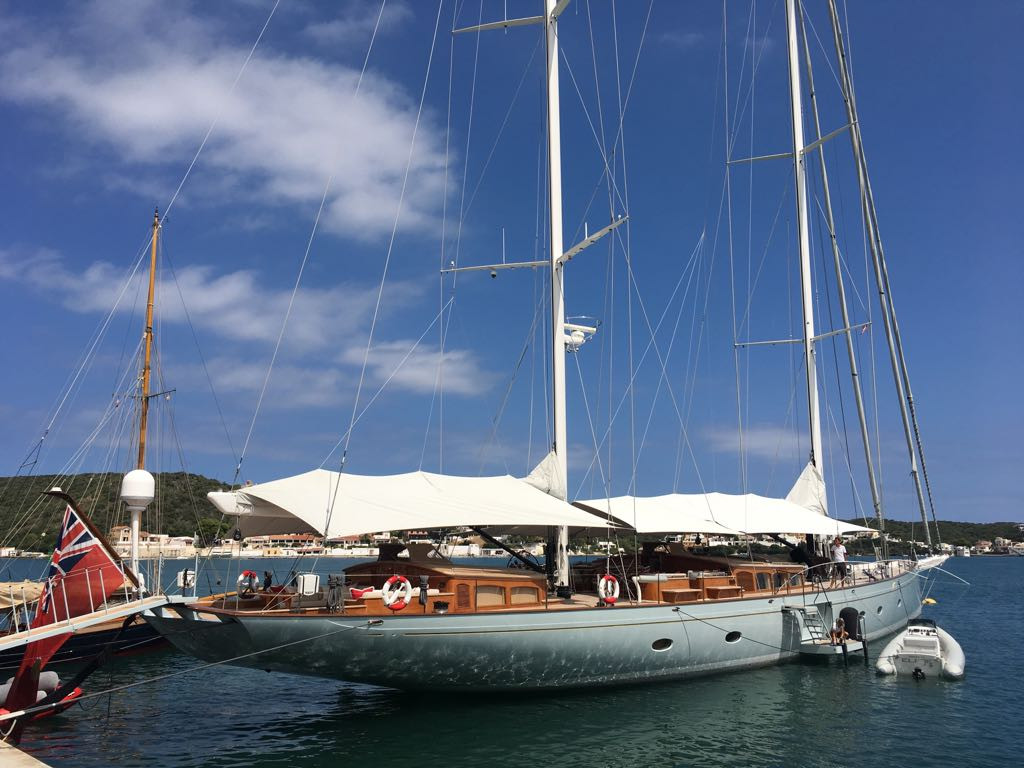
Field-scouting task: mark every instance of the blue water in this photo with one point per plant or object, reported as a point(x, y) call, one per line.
point(799, 714)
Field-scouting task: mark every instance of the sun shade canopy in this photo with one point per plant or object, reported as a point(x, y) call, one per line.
point(717, 514)
point(334, 505)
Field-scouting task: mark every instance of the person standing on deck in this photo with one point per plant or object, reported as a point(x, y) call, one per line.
point(838, 560)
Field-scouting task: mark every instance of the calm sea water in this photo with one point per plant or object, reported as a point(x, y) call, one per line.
point(799, 714)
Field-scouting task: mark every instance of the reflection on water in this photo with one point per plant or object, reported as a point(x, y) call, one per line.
point(800, 714)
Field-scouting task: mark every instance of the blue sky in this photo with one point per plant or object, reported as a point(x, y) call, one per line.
point(105, 104)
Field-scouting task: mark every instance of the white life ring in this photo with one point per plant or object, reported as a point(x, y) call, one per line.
point(248, 581)
point(396, 592)
point(608, 588)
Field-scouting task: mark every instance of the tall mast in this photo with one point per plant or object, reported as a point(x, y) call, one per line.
point(551, 11)
point(806, 290)
point(147, 354)
point(136, 511)
point(876, 500)
point(878, 263)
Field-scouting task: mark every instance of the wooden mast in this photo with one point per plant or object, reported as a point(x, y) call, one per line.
point(136, 512)
point(147, 354)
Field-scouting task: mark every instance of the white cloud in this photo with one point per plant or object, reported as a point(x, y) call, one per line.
point(326, 384)
point(291, 385)
point(764, 442)
point(233, 305)
point(418, 373)
point(150, 99)
point(356, 22)
point(237, 306)
point(683, 40)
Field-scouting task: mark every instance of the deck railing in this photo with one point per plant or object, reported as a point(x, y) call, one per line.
point(825, 576)
point(80, 584)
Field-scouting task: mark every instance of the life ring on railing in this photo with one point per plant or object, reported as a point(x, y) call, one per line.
point(396, 592)
point(608, 588)
point(248, 581)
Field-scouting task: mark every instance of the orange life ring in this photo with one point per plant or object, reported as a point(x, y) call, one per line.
point(397, 592)
point(608, 589)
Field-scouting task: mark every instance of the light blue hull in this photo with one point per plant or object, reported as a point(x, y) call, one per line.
point(537, 649)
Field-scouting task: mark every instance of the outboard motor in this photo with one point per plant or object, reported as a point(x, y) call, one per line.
point(851, 618)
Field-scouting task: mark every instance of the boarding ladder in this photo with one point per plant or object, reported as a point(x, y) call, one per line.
point(815, 637)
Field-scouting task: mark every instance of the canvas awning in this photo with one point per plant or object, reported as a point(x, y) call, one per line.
point(717, 514)
point(333, 504)
point(657, 514)
point(17, 593)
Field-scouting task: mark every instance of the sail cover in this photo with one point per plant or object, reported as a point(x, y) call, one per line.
point(809, 491)
point(717, 513)
point(333, 504)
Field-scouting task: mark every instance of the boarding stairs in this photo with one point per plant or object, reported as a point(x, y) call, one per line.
point(815, 637)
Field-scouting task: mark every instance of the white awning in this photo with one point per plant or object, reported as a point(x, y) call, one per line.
point(717, 513)
point(671, 513)
point(360, 504)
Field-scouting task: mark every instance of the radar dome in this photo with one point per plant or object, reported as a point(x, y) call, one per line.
point(138, 488)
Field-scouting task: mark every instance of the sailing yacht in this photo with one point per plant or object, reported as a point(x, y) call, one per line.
point(425, 623)
point(114, 635)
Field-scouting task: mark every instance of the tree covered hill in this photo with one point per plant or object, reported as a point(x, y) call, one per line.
point(951, 532)
point(30, 521)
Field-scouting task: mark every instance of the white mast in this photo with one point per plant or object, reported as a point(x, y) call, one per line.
point(551, 11)
point(556, 261)
point(806, 290)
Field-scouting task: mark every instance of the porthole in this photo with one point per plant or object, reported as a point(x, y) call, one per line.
point(733, 637)
point(878, 610)
point(661, 645)
point(899, 602)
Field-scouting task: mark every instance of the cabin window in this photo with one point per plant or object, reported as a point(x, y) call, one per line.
point(462, 601)
point(488, 596)
point(762, 581)
point(523, 595)
point(780, 580)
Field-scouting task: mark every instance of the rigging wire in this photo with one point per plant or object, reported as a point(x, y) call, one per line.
point(438, 394)
point(390, 248)
point(199, 351)
point(386, 381)
point(496, 421)
point(309, 247)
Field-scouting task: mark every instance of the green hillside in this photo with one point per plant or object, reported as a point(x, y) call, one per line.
point(951, 532)
point(30, 521)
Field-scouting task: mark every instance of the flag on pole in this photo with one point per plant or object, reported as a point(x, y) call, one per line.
point(81, 576)
point(83, 573)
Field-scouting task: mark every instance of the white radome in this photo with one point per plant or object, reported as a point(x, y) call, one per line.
point(138, 488)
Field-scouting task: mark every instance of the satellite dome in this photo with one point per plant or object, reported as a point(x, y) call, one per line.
point(138, 488)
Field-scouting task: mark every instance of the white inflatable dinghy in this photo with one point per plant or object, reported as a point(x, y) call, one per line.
point(920, 651)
